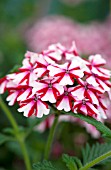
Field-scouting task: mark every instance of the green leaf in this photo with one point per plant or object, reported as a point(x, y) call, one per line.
point(91, 153)
point(99, 126)
point(78, 162)
point(11, 131)
point(45, 165)
point(71, 162)
point(3, 138)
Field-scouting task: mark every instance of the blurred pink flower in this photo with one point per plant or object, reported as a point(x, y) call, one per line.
point(50, 30)
point(90, 39)
point(57, 150)
point(47, 123)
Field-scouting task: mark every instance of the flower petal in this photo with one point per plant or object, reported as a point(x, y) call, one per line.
point(91, 80)
point(66, 80)
point(49, 96)
point(41, 109)
point(64, 104)
point(12, 98)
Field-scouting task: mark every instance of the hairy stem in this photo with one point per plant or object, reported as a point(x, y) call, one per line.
point(50, 139)
point(17, 133)
point(96, 161)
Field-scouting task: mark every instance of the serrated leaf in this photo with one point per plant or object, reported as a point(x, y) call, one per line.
point(71, 162)
point(45, 165)
point(91, 153)
point(78, 162)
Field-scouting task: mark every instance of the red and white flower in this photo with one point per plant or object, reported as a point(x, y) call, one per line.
point(66, 73)
point(96, 75)
point(31, 56)
point(86, 107)
point(102, 108)
point(58, 52)
point(96, 61)
point(66, 100)
point(53, 53)
point(3, 84)
point(85, 90)
point(34, 106)
point(19, 93)
point(58, 75)
point(67, 54)
point(26, 74)
point(42, 64)
point(5, 81)
point(109, 85)
point(49, 89)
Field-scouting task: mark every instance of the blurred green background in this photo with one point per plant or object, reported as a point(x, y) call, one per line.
point(14, 16)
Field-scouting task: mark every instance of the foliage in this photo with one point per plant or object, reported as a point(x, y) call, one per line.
point(72, 162)
point(45, 165)
point(91, 153)
point(3, 138)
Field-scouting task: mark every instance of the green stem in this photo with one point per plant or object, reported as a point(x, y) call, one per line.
point(96, 161)
point(17, 134)
point(50, 138)
point(25, 154)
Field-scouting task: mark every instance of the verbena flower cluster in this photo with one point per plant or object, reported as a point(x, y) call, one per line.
point(59, 76)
